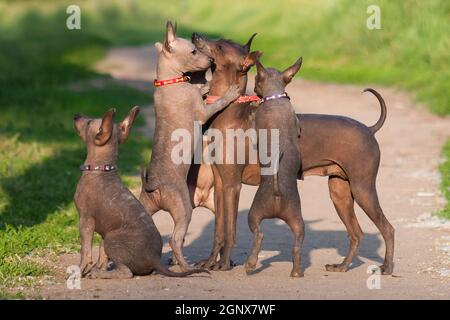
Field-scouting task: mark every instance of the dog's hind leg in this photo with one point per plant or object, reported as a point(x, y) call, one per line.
point(293, 217)
point(231, 201)
point(342, 198)
point(180, 209)
point(256, 214)
point(219, 230)
point(365, 194)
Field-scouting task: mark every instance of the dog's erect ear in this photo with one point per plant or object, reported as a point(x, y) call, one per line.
point(249, 42)
point(250, 60)
point(170, 36)
point(261, 71)
point(106, 128)
point(125, 125)
point(290, 72)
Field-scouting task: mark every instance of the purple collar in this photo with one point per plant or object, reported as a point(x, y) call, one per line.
point(103, 167)
point(274, 96)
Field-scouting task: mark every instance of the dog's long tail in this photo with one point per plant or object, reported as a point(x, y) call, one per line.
point(377, 126)
point(276, 187)
point(166, 272)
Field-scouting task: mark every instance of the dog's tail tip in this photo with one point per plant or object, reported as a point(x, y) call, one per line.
point(166, 272)
point(377, 126)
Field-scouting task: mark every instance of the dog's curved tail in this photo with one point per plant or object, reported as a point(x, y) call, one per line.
point(166, 272)
point(377, 126)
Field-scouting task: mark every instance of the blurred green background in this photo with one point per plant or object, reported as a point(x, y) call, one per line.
point(41, 60)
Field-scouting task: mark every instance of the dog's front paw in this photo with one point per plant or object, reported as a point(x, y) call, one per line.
point(387, 269)
point(232, 93)
point(297, 274)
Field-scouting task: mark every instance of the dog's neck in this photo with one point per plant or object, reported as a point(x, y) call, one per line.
point(105, 155)
point(166, 69)
point(272, 89)
point(222, 79)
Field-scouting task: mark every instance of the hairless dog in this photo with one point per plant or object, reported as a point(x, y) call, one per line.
point(130, 239)
point(277, 195)
point(339, 147)
point(178, 104)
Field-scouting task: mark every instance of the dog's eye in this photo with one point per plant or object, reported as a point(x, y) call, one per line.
point(220, 47)
point(89, 122)
point(194, 52)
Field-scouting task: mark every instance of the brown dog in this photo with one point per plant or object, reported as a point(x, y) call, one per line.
point(339, 147)
point(277, 195)
point(178, 104)
point(129, 237)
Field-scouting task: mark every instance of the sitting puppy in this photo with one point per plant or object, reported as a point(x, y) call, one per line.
point(277, 195)
point(129, 237)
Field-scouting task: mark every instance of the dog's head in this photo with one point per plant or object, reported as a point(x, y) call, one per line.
point(272, 80)
point(226, 54)
point(182, 54)
point(102, 136)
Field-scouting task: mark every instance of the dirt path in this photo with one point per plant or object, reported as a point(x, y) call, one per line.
point(408, 185)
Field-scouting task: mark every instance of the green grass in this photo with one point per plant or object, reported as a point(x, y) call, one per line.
point(445, 182)
point(40, 60)
point(40, 153)
point(409, 52)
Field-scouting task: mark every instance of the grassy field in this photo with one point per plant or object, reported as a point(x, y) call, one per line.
point(445, 182)
point(43, 66)
point(42, 70)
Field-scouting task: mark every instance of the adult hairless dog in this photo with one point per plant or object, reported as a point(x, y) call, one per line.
point(178, 104)
point(339, 147)
point(277, 195)
point(129, 236)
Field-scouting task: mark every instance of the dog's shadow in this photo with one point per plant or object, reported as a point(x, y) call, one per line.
point(278, 238)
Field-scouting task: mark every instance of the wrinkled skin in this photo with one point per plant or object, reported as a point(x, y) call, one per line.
point(129, 236)
point(177, 106)
point(339, 147)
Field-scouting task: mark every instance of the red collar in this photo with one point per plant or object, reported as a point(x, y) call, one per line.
point(159, 83)
point(241, 99)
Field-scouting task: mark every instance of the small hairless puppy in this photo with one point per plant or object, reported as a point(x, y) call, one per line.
point(277, 195)
point(178, 104)
point(130, 239)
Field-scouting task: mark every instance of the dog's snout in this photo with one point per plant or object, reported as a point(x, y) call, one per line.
point(77, 116)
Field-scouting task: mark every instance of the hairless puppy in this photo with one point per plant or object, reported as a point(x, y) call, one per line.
point(178, 104)
point(338, 147)
point(277, 194)
point(129, 237)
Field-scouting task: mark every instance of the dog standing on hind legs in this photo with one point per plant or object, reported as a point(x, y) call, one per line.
point(178, 104)
point(338, 147)
point(277, 195)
